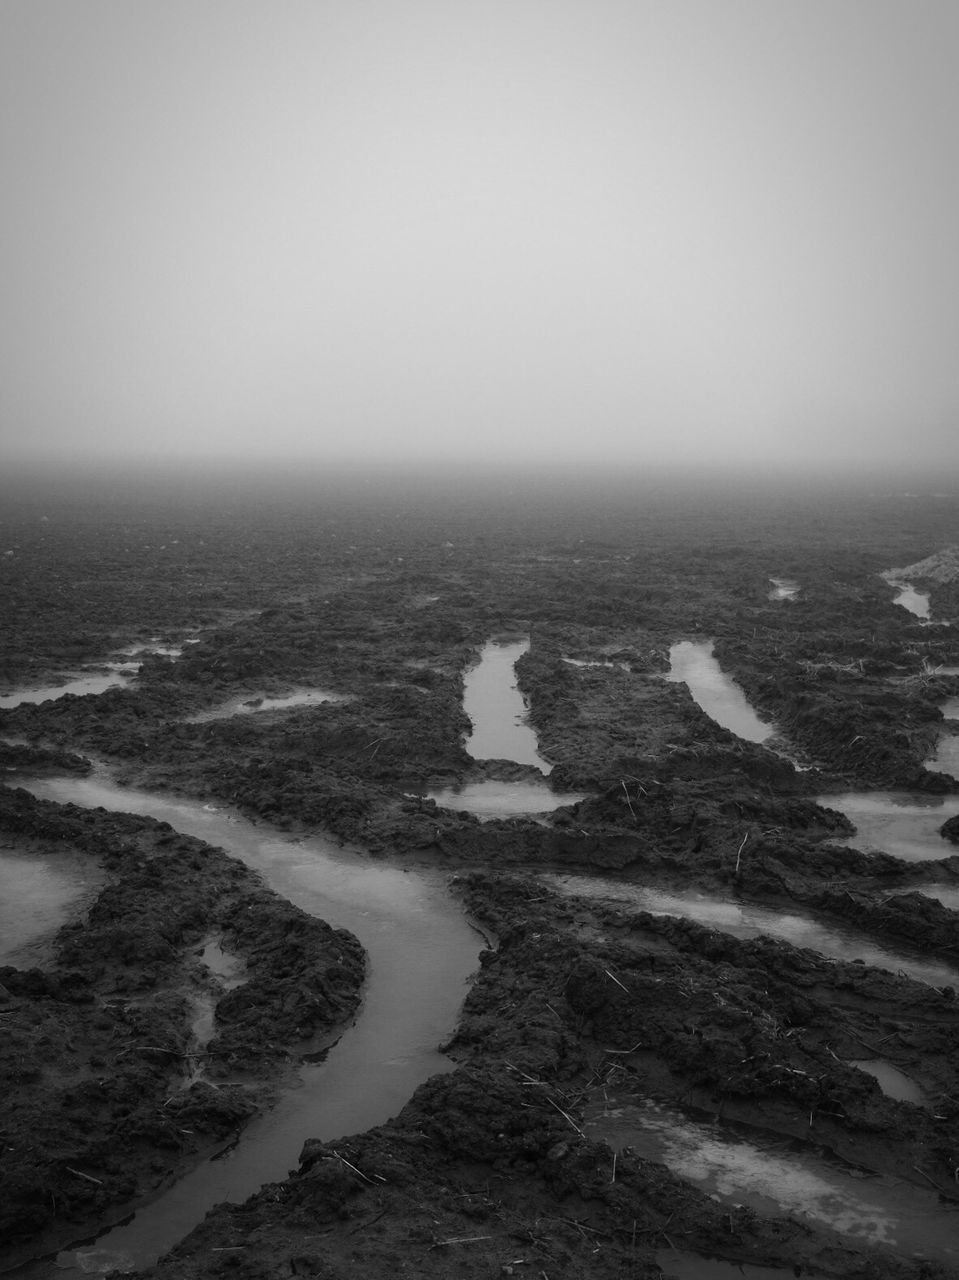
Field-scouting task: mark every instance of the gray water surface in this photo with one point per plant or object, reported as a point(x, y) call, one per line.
point(917, 602)
point(744, 920)
point(692, 663)
point(490, 798)
point(903, 823)
point(773, 1177)
point(39, 894)
point(497, 709)
point(251, 704)
point(421, 950)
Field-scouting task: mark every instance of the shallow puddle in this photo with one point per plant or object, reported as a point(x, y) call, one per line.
point(773, 1177)
point(491, 799)
point(497, 709)
point(917, 602)
point(947, 894)
point(743, 920)
point(79, 687)
point(421, 950)
point(692, 663)
point(891, 1080)
point(229, 970)
point(99, 678)
point(247, 704)
point(39, 894)
point(598, 662)
point(903, 823)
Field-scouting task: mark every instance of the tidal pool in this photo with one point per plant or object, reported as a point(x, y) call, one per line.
point(773, 1177)
point(421, 950)
point(743, 920)
point(692, 663)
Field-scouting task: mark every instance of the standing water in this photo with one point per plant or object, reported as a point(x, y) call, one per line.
point(773, 1176)
point(692, 663)
point(903, 823)
point(497, 711)
point(494, 704)
point(916, 602)
point(421, 950)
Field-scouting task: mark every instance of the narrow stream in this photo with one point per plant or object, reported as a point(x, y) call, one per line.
point(692, 663)
point(494, 704)
point(743, 920)
point(421, 951)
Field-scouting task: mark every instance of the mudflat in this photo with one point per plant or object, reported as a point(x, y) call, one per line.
point(581, 1003)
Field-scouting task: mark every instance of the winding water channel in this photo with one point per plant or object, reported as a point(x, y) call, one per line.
point(421, 951)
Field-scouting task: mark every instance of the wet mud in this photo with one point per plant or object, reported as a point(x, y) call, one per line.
point(487, 1170)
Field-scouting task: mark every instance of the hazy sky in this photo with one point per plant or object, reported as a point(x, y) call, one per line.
point(633, 230)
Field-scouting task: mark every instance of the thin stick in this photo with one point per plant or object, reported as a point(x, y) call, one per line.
point(740, 853)
point(460, 1240)
point(628, 801)
point(86, 1176)
point(566, 1117)
point(616, 980)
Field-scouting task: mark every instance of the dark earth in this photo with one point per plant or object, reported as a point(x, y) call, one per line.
point(384, 594)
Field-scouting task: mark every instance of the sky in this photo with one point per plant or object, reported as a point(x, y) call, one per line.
point(642, 232)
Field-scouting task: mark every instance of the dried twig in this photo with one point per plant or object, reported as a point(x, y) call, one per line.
point(86, 1176)
point(566, 1117)
point(459, 1240)
point(740, 853)
point(358, 1172)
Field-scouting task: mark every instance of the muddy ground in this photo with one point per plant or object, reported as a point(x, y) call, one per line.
point(385, 602)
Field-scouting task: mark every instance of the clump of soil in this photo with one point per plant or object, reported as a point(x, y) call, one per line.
point(105, 1093)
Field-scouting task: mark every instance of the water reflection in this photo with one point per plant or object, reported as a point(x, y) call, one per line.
point(497, 709)
point(421, 950)
point(38, 894)
point(903, 823)
point(744, 920)
point(249, 704)
point(773, 1177)
point(490, 799)
point(917, 602)
point(692, 663)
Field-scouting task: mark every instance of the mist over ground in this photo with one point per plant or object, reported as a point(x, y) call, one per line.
point(668, 235)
